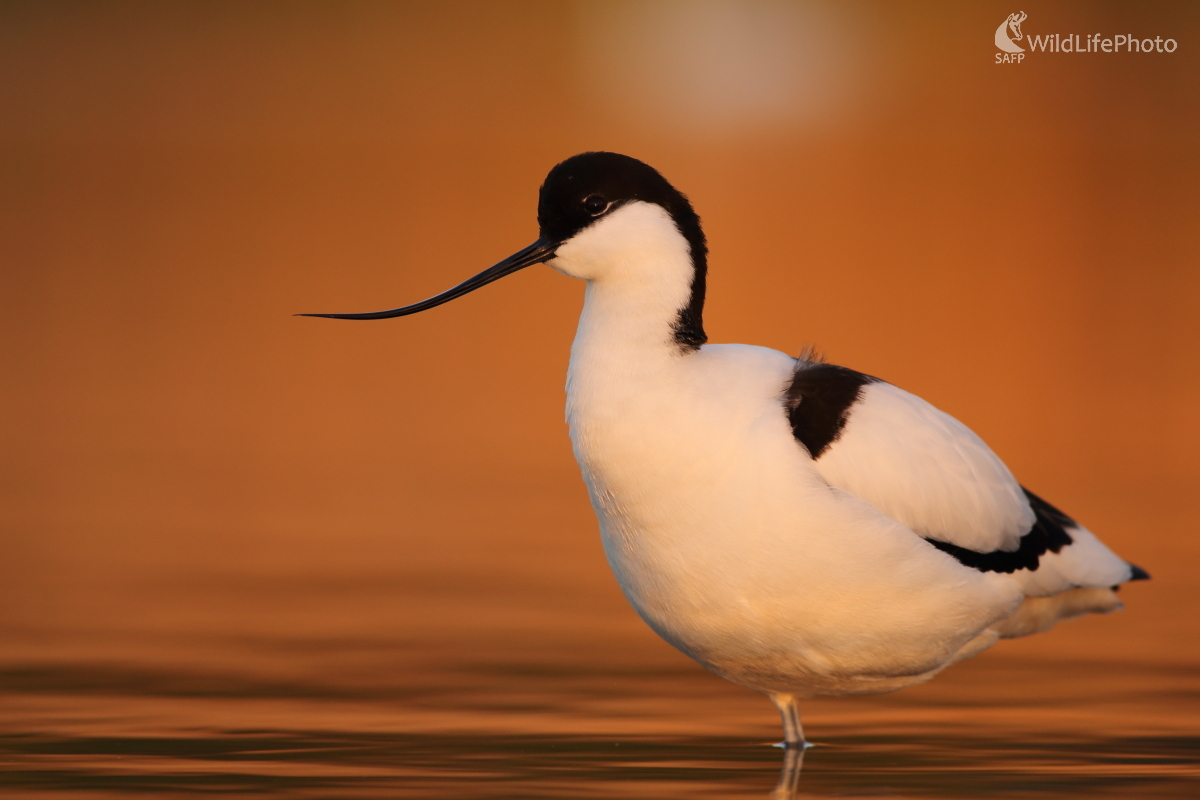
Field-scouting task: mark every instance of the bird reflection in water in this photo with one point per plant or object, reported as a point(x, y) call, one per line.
point(789, 774)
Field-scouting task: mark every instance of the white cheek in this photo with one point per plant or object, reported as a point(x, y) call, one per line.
point(587, 254)
point(602, 249)
point(560, 266)
point(570, 260)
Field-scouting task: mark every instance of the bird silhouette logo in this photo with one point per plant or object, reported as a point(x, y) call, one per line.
point(1003, 40)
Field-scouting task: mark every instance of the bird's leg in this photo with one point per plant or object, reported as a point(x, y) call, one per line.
point(793, 733)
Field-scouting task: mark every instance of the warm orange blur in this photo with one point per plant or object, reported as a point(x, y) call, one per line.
point(186, 462)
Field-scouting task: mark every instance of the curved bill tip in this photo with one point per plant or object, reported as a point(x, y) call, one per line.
point(540, 251)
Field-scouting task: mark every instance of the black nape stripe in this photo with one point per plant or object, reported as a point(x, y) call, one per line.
point(1048, 533)
point(688, 329)
point(818, 402)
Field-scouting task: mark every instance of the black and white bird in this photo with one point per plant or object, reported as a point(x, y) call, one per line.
point(797, 527)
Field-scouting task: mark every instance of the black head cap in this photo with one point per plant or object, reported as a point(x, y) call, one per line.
point(589, 186)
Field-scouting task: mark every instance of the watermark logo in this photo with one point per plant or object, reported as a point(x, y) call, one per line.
point(1013, 23)
point(1009, 33)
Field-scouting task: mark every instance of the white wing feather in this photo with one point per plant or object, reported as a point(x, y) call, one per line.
point(928, 471)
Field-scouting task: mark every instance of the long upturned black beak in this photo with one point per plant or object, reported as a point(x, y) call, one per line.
point(536, 253)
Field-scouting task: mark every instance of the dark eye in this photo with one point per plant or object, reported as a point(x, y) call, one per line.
point(595, 204)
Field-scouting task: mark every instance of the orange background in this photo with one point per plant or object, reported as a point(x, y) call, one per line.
point(187, 463)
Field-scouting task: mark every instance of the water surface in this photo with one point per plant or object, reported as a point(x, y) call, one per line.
point(561, 715)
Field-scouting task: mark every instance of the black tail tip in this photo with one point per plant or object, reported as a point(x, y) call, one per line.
point(1138, 574)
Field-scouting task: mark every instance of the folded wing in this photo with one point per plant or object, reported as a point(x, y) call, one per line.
point(931, 473)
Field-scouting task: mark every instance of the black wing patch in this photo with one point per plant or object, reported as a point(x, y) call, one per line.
point(818, 402)
point(1048, 533)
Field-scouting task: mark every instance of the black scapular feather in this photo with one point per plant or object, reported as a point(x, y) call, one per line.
point(818, 402)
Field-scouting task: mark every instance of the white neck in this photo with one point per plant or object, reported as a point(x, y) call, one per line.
point(639, 272)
